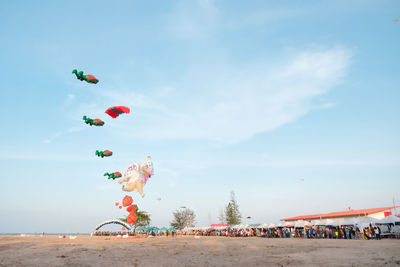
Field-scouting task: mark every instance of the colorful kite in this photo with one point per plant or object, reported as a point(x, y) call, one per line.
point(132, 209)
point(132, 217)
point(114, 175)
point(127, 201)
point(87, 78)
point(136, 176)
point(116, 111)
point(395, 20)
point(105, 153)
point(95, 122)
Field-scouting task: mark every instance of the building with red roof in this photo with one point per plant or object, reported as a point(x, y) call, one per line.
point(220, 225)
point(377, 213)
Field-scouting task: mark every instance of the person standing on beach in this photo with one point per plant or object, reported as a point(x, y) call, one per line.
point(358, 233)
point(366, 233)
point(372, 231)
point(378, 233)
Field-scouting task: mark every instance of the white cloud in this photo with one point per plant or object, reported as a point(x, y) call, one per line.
point(53, 137)
point(71, 96)
point(75, 129)
point(56, 135)
point(255, 99)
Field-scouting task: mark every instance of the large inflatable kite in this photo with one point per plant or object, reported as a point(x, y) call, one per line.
point(87, 78)
point(116, 111)
point(132, 217)
point(136, 176)
point(95, 122)
point(127, 201)
point(105, 153)
point(114, 175)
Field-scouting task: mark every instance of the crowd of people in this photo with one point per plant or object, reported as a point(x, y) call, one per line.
point(168, 233)
point(316, 232)
point(110, 233)
point(308, 232)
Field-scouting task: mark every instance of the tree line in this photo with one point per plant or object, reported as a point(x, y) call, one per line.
point(185, 217)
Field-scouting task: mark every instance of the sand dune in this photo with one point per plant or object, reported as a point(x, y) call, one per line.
point(188, 251)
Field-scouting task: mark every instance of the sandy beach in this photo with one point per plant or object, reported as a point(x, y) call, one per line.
point(190, 251)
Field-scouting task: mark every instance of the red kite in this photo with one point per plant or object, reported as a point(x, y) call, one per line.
point(116, 111)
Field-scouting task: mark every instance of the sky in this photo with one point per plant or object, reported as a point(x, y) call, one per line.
point(292, 105)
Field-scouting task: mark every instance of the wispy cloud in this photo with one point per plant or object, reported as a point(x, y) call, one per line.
point(75, 129)
point(256, 99)
point(220, 101)
point(53, 137)
point(58, 134)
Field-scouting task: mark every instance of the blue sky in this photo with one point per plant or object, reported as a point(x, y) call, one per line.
point(225, 95)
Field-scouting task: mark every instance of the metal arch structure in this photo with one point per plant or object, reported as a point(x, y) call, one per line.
point(113, 222)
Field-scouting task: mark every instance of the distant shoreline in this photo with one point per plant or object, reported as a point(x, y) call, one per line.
point(39, 234)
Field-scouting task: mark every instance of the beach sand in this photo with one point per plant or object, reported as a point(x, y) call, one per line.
point(190, 251)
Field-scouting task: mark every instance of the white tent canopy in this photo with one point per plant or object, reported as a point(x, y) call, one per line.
point(361, 222)
point(389, 219)
point(301, 223)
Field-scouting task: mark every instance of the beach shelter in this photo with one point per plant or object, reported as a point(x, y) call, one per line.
point(301, 223)
point(366, 221)
point(339, 222)
point(328, 222)
point(317, 222)
point(288, 224)
point(349, 221)
point(280, 225)
point(390, 219)
point(152, 229)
